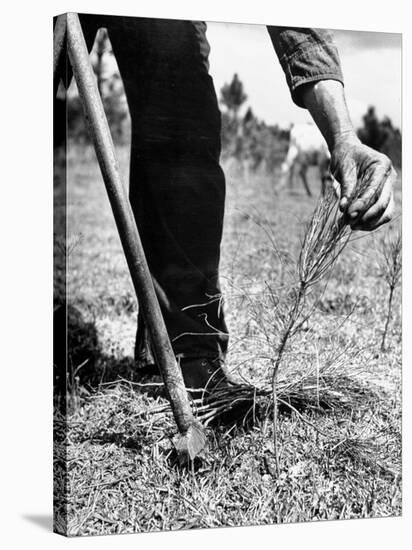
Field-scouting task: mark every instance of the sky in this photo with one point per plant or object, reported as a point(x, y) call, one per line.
point(371, 64)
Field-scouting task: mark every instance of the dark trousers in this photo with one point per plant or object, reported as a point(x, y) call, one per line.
point(177, 187)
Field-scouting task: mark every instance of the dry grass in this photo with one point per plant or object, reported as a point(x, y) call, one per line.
point(338, 393)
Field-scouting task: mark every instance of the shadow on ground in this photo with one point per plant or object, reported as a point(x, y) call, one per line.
point(76, 343)
point(44, 521)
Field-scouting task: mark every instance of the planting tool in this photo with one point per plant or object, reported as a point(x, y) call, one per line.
point(192, 439)
point(59, 40)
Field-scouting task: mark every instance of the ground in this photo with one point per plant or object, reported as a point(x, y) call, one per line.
point(338, 462)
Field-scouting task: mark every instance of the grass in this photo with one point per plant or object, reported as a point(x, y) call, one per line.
point(338, 429)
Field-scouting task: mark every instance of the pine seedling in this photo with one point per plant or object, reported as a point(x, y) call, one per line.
point(390, 261)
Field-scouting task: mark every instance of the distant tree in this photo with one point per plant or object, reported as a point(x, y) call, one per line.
point(249, 117)
point(110, 86)
point(232, 96)
point(102, 45)
point(248, 140)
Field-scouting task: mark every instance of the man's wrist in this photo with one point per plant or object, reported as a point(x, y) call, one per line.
point(325, 101)
point(344, 137)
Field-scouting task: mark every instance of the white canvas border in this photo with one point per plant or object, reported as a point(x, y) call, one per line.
point(26, 286)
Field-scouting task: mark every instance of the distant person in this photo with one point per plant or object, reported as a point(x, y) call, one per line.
point(177, 187)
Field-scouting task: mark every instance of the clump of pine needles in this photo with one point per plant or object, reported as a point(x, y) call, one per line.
point(332, 386)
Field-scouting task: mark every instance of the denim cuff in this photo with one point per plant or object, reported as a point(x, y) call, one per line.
point(306, 55)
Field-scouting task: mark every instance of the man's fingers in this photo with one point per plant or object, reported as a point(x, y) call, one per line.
point(371, 192)
point(374, 223)
point(347, 180)
point(379, 207)
point(336, 188)
point(366, 178)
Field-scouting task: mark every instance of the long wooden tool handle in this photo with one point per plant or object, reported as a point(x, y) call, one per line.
point(129, 235)
point(59, 40)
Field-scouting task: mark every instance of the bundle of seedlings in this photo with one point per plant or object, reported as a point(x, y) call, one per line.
point(335, 384)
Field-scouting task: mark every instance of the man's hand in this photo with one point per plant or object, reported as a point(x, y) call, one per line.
point(366, 178)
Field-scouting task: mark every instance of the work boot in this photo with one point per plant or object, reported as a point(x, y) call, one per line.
point(204, 374)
